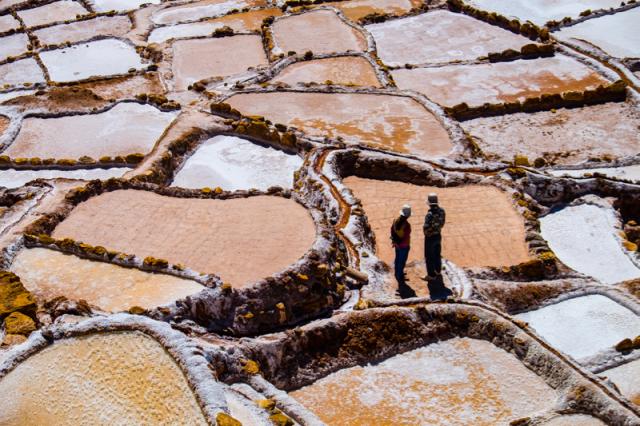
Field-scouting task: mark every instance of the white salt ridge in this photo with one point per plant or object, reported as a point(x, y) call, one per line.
point(233, 163)
point(195, 12)
point(12, 178)
point(583, 326)
point(98, 58)
point(616, 34)
point(162, 34)
point(13, 45)
point(541, 11)
point(119, 5)
point(626, 172)
point(19, 72)
point(584, 238)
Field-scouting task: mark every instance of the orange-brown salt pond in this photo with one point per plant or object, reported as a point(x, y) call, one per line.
point(241, 240)
point(195, 60)
point(358, 9)
point(389, 122)
point(320, 31)
point(345, 70)
point(48, 274)
point(498, 82)
point(456, 382)
point(483, 228)
point(111, 378)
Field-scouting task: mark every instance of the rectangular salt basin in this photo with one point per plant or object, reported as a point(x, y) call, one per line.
point(53, 12)
point(459, 381)
point(13, 45)
point(583, 326)
point(7, 23)
point(627, 378)
point(115, 26)
point(12, 178)
point(94, 59)
point(20, 72)
point(625, 172)
point(541, 11)
point(233, 163)
point(616, 34)
point(196, 11)
point(119, 5)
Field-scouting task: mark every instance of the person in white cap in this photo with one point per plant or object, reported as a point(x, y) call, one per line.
point(433, 223)
point(401, 241)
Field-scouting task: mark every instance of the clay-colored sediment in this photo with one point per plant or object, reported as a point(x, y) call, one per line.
point(569, 136)
point(389, 122)
point(53, 12)
point(248, 21)
point(202, 9)
point(358, 9)
point(125, 129)
point(4, 124)
point(457, 382)
point(344, 71)
point(438, 37)
point(123, 87)
point(320, 31)
point(627, 378)
point(483, 228)
point(195, 60)
point(499, 82)
point(241, 240)
point(111, 378)
point(116, 26)
point(13, 45)
point(48, 274)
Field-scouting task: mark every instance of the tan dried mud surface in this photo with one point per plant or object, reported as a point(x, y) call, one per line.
point(498, 82)
point(53, 12)
point(241, 240)
point(440, 36)
point(389, 122)
point(116, 26)
point(195, 60)
point(48, 274)
point(569, 135)
point(456, 382)
point(358, 9)
point(320, 31)
point(111, 378)
point(345, 71)
point(482, 229)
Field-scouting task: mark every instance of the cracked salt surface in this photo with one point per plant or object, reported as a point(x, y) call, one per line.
point(94, 59)
point(583, 237)
point(111, 379)
point(456, 382)
point(233, 163)
point(583, 326)
point(11, 178)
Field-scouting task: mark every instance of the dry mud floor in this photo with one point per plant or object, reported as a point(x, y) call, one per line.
point(241, 240)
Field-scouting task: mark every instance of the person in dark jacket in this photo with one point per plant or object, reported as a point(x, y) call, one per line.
point(433, 223)
point(401, 241)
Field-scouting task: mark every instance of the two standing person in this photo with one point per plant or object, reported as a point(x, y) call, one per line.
point(401, 240)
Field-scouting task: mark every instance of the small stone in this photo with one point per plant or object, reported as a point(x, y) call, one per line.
point(137, 310)
point(624, 345)
point(223, 419)
point(280, 419)
point(18, 323)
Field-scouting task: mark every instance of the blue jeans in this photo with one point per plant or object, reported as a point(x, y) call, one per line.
point(402, 254)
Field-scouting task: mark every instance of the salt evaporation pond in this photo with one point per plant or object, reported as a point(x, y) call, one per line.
point(195, 60)
point(13, 45)
point(111, 378)
point(439, 36)
point(94, 59)
point(574, 420)
point(20, 72)
point(568, 136)
point(242, 240)
point(489, 234)
point(616, 34)
point(199, 10)
point(8, 23)
point(500, 81)
point(541, 11)
point(49, 274)
point(355, 10)
point(58, 11)
point(233, 163)
point(389, 122)
point(584, 238)
point(583, 326)
point(456, 382)
point(627, 378)
point(624, 172)
point(119, 5)
point(11, 178)
point(345, 70)
point(320, 31)
point(124, 129)
point(105, 26)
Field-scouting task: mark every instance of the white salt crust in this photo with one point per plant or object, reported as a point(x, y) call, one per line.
point(13, 45)
point(119, 5)
point(583, 326)
point(234, 163)
point(11, 178)
point(94, 59)
point(19, 72)
point(195, 11)
point(584, 238)
point(625, 172)
point(627, 378)
point(162, 34)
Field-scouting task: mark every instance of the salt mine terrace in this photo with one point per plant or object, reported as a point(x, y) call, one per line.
point(196, 195)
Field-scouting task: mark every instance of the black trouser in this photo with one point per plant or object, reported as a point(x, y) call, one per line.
point(402, 254)
point(433, 255)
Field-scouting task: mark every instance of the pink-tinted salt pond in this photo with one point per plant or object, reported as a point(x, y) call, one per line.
point(58, 11)
point(346, 71)
point(358, 9)
point(116, 26)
